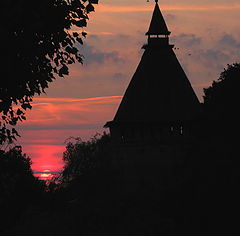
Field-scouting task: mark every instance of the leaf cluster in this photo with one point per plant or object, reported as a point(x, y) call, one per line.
point(38, 45)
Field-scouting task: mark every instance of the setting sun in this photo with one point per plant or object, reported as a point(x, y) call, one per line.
point(45, 175)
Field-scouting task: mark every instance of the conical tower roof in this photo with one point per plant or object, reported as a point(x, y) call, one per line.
point(159, 91)
point(158, 25)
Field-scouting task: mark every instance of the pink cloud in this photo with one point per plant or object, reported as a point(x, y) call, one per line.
point(71, 111)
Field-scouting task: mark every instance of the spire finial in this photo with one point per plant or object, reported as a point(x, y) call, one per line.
point(155, 1)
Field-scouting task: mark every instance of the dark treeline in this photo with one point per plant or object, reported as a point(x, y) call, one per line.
point(199, 195)
point(19, 189)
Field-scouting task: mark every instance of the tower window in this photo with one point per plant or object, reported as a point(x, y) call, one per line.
point(171, 130)
point(123, 135)
point(181, 130)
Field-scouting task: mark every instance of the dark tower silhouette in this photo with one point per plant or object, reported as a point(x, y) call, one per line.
point(157, 113)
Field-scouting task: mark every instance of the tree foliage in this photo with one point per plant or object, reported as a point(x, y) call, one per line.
point(18, 187)
point(38, 45)
point(223, 95)
point(221, 102)
point(81, 157)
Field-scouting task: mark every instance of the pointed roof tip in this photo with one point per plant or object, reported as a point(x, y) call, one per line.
point(158, 25)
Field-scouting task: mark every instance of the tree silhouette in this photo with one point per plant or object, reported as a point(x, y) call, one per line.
point(82, 158)
point(18, 187)
point(38, 45)
point(221, 101)
point(222, 94)
point(214, 177)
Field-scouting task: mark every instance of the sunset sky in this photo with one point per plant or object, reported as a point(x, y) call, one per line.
point(207, 34)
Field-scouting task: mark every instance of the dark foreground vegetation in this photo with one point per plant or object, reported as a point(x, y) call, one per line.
point(201, 196)
point(198, 196)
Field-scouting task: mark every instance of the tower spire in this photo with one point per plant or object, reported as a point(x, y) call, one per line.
point(158, 25)
point(159, 99)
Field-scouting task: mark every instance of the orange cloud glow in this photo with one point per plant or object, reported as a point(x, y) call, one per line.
point(71, 111)
point(53, 120)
